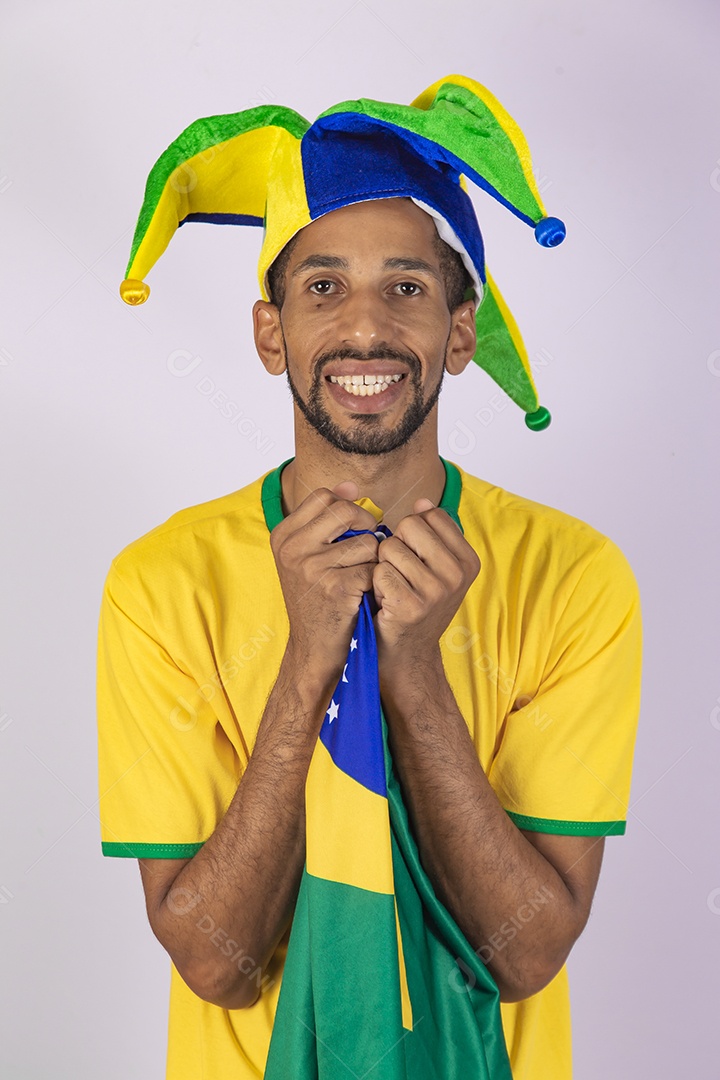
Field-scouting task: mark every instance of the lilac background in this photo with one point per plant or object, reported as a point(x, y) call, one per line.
point(101, 441)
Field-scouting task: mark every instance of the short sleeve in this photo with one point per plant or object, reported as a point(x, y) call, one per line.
point(564, 762)
point(166, 773)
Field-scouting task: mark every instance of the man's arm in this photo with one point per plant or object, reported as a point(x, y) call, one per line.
point(244, 880)
point(521, 899)
point(483, 867)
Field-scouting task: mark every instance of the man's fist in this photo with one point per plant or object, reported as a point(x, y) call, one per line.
point(323, 582)
point(423, 572)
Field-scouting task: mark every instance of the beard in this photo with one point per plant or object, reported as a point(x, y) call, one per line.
point(367, 437)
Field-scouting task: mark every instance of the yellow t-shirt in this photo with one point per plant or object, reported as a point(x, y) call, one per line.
point(543, 657)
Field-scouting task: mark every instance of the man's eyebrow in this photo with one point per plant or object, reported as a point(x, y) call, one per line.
point(336, 262)
point(405, 262)
point(324, 262)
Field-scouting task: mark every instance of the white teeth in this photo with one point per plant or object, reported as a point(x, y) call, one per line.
point(365, 386)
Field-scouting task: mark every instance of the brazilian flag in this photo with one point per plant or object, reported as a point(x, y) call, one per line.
point(374, 985)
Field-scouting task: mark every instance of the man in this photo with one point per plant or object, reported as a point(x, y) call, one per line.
point(508, 643)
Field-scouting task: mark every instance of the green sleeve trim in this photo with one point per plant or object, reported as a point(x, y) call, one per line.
point(271, 494)
point(150, 851)
point(569, 828)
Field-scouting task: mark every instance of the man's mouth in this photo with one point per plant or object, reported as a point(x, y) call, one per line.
point(365, 385)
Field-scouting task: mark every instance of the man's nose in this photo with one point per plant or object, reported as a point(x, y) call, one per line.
point(364, 319)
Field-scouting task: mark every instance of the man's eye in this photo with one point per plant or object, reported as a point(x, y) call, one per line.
point(410, 285)
point(322, 292)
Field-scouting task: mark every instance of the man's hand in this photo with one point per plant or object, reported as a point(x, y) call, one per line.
point(322, 582)
point(424, 570)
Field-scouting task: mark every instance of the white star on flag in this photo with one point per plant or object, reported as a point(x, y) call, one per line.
point(344, 676)
point(333, 711)
point(353, 644)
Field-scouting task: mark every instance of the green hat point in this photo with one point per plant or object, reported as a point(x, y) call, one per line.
point(538, 420)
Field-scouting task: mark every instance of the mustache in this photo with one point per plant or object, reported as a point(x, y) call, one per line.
point(378, 352)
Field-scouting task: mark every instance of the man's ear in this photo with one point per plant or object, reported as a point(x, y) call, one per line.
point(268, 335)
point(463, 339)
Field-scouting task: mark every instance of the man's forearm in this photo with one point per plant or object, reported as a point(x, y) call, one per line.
point(243, 882)
point(483, 868)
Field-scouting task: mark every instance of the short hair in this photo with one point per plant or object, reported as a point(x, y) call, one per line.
point(277, 270)
point(458, 283)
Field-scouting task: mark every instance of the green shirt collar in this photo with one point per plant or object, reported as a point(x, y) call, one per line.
point(271, 494)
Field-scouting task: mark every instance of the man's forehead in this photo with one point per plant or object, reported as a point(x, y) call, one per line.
point(399, 221)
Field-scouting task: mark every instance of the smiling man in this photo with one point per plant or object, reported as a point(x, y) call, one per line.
point(508, 633)
point(365, 338)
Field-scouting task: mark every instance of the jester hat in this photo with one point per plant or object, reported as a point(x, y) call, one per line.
point(268, 166)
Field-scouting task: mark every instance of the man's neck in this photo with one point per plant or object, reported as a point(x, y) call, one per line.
point(393, 481)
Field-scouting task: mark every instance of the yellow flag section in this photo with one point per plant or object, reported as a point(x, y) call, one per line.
point(348, 840)
point(348, 829)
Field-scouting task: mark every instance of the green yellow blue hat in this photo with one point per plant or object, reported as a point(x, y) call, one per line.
point(269, 167)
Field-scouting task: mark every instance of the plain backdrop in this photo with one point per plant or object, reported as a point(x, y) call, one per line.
point(102, 439)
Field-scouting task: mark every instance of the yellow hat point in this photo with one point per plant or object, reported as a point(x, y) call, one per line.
point(133, 291)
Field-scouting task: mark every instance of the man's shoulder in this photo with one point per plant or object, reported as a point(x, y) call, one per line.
point(501, 508)
point(512, 526)
point(205, 531)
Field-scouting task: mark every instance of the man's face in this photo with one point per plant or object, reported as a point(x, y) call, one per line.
point(365, 302)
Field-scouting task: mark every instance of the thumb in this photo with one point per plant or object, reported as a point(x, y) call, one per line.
point(346, 489)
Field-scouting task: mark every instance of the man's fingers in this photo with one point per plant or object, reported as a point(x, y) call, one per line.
point(401, 570)
point(335, 519)
point(350, 552)
point(432, 534)
point(323, 515)
point(421, 505)
point(316, 501)
point(347, 489)
point(340, 580)
point(393, 552)
point(392, 587)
